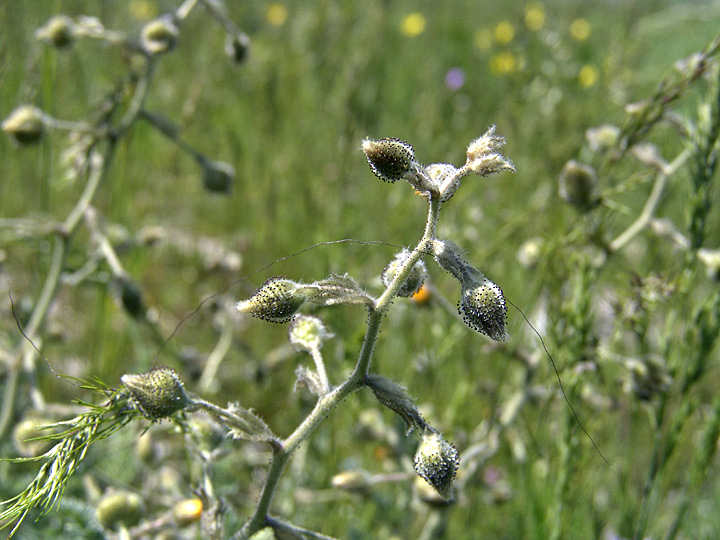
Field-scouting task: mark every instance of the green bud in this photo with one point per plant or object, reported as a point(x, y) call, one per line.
point(119, 508)
point(276, 301)
point(308, 332)
point(29, 429)
point(158, 393)
point(414, 280)
point(59, 32)
point(482, 307)
point(577, 185)
point(437, 461)
point(131, 298)
point(25, 125)
point(159, 36)
point(389, 159)
point(394, 397)
point(217, 176)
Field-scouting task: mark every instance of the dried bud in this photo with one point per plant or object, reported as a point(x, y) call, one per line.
point(276, 301)
point(483, 156)
point(415, 279)
point(236, 47)
point(159, 36)
point(389, 159)
point(483, 308)
point(59, 32)
point(119, 508)
point(187, 512)
point(577, 185)
point(308, 332)
point(437, 461)
point(158, 393)
point(353, 481)
point(25, 125)
point(217, 176)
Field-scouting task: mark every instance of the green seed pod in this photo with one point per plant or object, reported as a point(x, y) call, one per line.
point(437, 461)
point(482, 307)
point(158, 393)
point(414, 280)
point(577, 185)
point(159, 36)
point(389, 159)
point(217, 176)
point(59, 32)
point(308, 332)
point(276, 301)
point(25, 125)
point(119, 508)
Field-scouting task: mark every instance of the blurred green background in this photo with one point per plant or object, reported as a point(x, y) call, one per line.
point(319, 77)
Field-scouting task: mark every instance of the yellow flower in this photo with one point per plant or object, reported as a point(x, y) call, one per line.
point(276, 14)
point(504, 32)
point(413, 24)
point(483, 39)
point(503, 63)
point(534, 16)
point(588, 75)
point(580, 29)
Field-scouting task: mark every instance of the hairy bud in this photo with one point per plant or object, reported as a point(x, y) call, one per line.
point(482, 307)
point(389, 159)
point(308, 332)
point(276, 301)
point(158, 393)
point(484, 157)
point(437, 461)
point(415, 279)
point(393, 397)
point(577, 185)
point(159, 36)
point(25, 125)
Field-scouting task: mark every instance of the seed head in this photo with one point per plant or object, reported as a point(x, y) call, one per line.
point(483, 308)
point(389, 159)
point(276, 301)
point(437, 461)
point(25, 125)
point(159, 36)
point(158, 393)
point(414, 280)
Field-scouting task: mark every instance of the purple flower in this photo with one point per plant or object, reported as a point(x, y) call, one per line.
point(455, 78)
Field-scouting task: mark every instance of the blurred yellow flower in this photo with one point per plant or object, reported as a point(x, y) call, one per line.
point(503, 63)
point(276, 14)
point(580, 29)
point(504, 32)
point(588, 75)
point(483, 39)
point(534, 16)
point(143, 10)
point(413, 24)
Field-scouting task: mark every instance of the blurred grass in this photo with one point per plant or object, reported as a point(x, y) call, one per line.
point(290, 121)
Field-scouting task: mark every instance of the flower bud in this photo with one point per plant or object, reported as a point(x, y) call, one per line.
point(449, 257)
point(25, 125)
point(483, 156)
point(217, 176)
point(389, 159)
point(187, 512)
point(158, 393)
point(119, 508)
point(482, 307)
point(159, 36)
point(577, 185)
point(394, 397)
point(236, 47)
point(59, 32)
point(276, 301)
point(437, 461)
point(414, 280)
point(308, 332)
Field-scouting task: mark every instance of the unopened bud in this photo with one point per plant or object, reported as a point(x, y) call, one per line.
point(577, 185)
point(444, 175)
point(308, 332)
point(59, 32)
point(414, 280)
point(353, 481)
point(187, 512)
point(482, 307)
point(394, 397)
point(217, 176)
point(158, 393)
point(119, 508)
point(159, 36)
point(437, 461)
point(449, 257)
point(389, 159)
point(236, 47)
point(276, 301)
point(484, 157)
point(25, 125)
